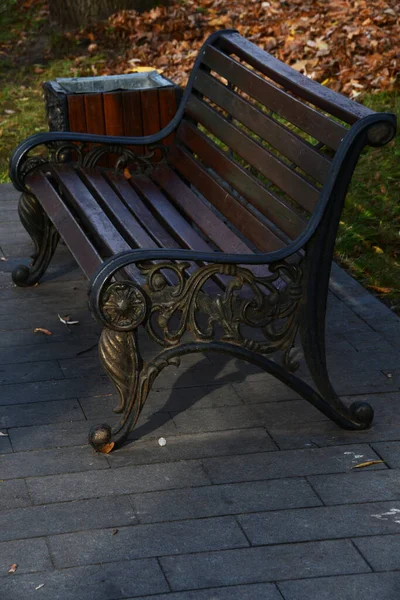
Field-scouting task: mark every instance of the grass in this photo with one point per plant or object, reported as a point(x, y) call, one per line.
point(368, 243)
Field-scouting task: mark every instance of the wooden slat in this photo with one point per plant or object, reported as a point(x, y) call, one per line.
point(205, 219)
point(91, 214)
point(151, 115)
point(113, 113)
point(306, 118)
point(132, 115)
point(333, 102)
point(121, 217)
point(245, 222)
point(268, 165)
point(70, 230)
point(168, 106)
point(76, 113)
point(94, 113)
point(281, 138)
point(281, 215)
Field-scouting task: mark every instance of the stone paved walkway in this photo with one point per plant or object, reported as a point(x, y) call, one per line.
point(253, 497)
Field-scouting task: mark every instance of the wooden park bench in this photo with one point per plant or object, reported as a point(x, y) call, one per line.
point(215, 234)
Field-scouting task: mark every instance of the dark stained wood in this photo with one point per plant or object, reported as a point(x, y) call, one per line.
point(132, 116)
point(151, 115)
point(76, 113)
point(245, 222)
point(286, 142)
point(69, 228)
point(281, 215)
point(206, 220)
point(167, 99)
point(94, 113)
point(306, 118)
point(252, 152)
point(326, 99)
point(113, 113)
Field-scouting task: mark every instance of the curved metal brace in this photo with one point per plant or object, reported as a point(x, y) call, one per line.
point(44, 236)
point(357, 416)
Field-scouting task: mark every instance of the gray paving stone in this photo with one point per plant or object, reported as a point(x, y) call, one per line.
point(216, 419)
point(261, 591)
point(380, 586)
point(47, 462)
point(253, 565)
point(126, 480)
point(55, 435)
point(320, 523)
point(41, 352)
point(289, 463)
point(40, 413)
point(63, 517)
point(62, 389)
point(192, 446)
point(103, 582)
point(5, 445)
point(382, 552)
point(390, 453)
point(13, 494)
point(29, 555)
point(21, 337)
point(194, 398)
point(30, 371)
point(223, 500)
point(262, 387)
point(356, 486)
point(145, 541)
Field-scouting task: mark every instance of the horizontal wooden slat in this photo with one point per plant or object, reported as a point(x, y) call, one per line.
point(333, 102)
point(306, 118)
point(282, 216)
point(281, 138)
point(207, 221)
point(251, 227)
point(70, 230)
point(91, 214)
point(252, 152)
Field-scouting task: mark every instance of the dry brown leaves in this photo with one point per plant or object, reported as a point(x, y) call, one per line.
point(349, 45)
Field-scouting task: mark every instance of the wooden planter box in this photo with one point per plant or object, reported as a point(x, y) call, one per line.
point(122, 105)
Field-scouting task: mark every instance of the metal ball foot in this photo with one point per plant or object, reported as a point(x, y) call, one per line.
point(362, 413)
point(20, 276)
point(100, 438)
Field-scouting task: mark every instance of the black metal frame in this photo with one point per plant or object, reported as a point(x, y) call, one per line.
point(122, 306)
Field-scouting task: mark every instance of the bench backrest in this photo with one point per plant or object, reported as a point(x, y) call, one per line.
point(257, 133)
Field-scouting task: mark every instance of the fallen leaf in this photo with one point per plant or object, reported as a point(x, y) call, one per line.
point(106, 449)
point(9, 111)
point(66, 320)
point(127, 174)
point(2, 434)
point(39, 586)
point(3, 258)
point(42, 330)
point(13, 568)
point(115, 531)
point(367, 463)
point(379, 289)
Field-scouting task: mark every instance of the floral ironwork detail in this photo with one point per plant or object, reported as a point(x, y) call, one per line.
point(124, 306)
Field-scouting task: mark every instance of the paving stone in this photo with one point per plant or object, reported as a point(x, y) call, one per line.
point(262, 387)
point(390, 453)
point(42, 352)
point(21, 337)
point(383, 552)
point(103, 582)
point(13, 494)
point(63, 517)
point(223, 500)
point(193, 446)
point(55, 435)
point(358, 486)
point(126, 480)
point(145, 541)
point(289, 463)
point(382, 586)
point(5, 445)
point(47, 462)
point(29, 555)
point(289, 561)
point(30, 371)
point(62, 389)
point(260, 591)
point(319, 523)
point(216, 419)
point(38, 413)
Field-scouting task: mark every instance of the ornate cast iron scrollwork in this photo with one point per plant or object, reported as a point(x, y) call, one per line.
point(248, 300)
